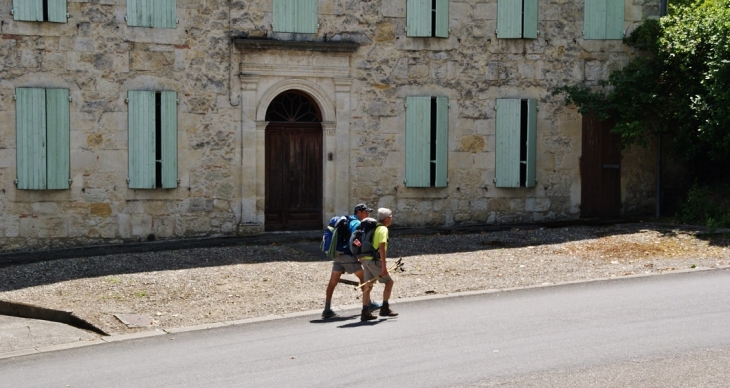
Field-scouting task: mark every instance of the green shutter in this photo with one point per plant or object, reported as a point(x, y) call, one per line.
point(507, 163)
point(594, 19)
point(169, 139)
point(418, 17)
point(139, 13)
point(57, 11)
point(28, 10)
point(531, 142)
point(30, 122)
point(58, 141)
point(442, 142)
point(418, 142)
point(163, 14)
point(284, 15)
point(442, 18)
point(305, 17)
point(141, 139)
point(615, 19)
point(509, 19)
point(529, 19)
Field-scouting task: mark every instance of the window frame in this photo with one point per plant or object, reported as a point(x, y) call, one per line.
point(152, 139)
point(515, 143)
point(517, 13)
point(427, 18)
point(43, 146)
point(52, 11)
point(427, 122)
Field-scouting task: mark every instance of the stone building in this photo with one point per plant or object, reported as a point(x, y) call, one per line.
point(139, 119)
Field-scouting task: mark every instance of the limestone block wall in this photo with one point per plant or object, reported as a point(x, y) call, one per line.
point(99, 59)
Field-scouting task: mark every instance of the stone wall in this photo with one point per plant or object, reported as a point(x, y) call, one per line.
point(99, 58)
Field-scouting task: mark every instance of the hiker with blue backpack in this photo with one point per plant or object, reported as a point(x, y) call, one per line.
point(335, 243)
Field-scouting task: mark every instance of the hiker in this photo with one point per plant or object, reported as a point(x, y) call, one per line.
point(347, 263)
point(375, 266)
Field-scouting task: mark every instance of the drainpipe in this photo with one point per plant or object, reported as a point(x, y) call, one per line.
point(663, 8)
point(658, 175)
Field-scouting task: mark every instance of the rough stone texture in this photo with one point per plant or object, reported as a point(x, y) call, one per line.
point(99, 59)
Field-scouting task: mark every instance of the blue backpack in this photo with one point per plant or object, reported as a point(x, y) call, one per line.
point(338, 230)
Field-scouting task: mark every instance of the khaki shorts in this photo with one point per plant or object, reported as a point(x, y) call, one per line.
point(346, 264)
point(372, 269)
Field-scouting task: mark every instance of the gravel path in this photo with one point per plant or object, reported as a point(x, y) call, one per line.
point(205, 285)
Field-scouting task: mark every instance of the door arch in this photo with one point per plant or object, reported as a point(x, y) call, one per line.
point(294, 165)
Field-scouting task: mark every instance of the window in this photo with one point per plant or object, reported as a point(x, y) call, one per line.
point(149, 13)
point(517, 19)
point(603, 19)
point(152, 139)
point(42, 139)
point(295, 16)
point(40, 10)
point(427, 18)
point(427, 124)
point(515, 143)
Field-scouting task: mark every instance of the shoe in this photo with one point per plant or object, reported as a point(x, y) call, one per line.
point(328, 314)
point(374, 306)
point(367, 316)
point(387, 312)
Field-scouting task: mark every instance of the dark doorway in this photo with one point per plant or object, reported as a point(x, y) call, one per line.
point(293, 164)
point(600, 169)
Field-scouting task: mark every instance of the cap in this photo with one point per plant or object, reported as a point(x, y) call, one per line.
point(363, 206)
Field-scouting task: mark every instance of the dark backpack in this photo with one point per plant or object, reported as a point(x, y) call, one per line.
point(337, 231)
point(361, 241)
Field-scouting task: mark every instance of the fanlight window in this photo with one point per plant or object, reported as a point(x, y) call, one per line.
point(293, 107)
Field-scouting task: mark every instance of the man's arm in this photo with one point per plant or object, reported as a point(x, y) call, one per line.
point(381, 249)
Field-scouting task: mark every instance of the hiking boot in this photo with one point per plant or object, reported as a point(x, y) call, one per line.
point(367, 316)
point(387, 312)
point(328, 314)
point(374, 306)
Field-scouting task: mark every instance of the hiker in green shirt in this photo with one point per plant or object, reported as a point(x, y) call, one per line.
point(375, 266)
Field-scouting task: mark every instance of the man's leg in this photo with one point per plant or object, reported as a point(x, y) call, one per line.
point(334, 278)
point(385, 311)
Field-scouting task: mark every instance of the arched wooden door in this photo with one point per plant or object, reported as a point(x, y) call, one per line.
point(293, 163)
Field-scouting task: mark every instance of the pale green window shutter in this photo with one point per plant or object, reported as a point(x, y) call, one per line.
point(28, 10)
point(139, 13)
point(169, 139)
point(594, 19)
point(442, 141)
point(163, 14)
point(57, 11)
point(299, 16)
point(442, 18)
point(141, 139)
point(418, 142)
point(507, 163)
point(58, 139)
point(418, 18)
point(531, 142)
point(529, 19)
point(615, 19)
point(509, 19)
point(30, 121)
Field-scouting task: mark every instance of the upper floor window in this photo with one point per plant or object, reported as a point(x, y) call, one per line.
point(603, 19)
point(152, 139)
point(152, 13)
point(427, 18)
point(517, 19)
point(515, 147)
point(427, 141)
point(42, 139)
point(40, 10)
point(295, 16)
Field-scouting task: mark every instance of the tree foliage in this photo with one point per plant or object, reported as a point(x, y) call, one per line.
point(679, 85)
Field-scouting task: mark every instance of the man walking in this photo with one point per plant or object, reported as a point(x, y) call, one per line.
point(375, 266)
point(347, 263)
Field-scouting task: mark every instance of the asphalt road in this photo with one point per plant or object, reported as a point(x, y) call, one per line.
point(661, 331)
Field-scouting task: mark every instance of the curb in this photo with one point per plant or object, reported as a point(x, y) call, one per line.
point(247, 321)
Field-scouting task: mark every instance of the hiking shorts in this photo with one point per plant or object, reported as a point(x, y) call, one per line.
point(372, 269)
point(346, 264)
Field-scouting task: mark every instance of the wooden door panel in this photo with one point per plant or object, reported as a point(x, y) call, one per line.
point(293, 176)
point(600, 169)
